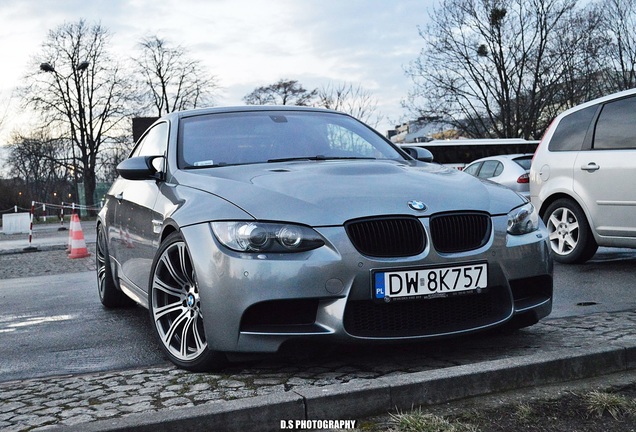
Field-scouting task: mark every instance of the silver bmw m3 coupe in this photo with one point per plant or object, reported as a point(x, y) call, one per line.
point(243, 228)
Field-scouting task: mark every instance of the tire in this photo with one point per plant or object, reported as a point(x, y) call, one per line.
point(174, 305)
point(109, 294)
point(571, 238)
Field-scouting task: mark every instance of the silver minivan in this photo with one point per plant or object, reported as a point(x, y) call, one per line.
point(583, 178)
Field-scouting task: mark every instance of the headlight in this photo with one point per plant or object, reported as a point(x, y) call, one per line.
point(244, 236)
point(523, 220)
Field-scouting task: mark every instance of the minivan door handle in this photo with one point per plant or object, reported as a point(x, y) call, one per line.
point(590, 167)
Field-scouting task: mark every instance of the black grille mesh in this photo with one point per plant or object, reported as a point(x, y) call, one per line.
point(387, 237)
point(430, 317)
point(459, 232)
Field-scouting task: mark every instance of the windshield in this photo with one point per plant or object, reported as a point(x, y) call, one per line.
point(276, 136)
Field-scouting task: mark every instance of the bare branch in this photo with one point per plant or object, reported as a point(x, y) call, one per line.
point(81, 94)
point(501, 69)
point(283, 92)
point(173, 81)
point(351, 99)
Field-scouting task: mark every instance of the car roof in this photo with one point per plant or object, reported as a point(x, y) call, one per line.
point(248, 108)
point(596, 101)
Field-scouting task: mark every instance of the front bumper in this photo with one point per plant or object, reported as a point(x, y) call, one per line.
point(256, 302)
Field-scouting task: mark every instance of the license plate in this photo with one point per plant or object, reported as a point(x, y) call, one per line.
point(427, 282)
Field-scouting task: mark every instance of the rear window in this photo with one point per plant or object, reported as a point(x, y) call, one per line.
point(571, 130)
point(524, 162)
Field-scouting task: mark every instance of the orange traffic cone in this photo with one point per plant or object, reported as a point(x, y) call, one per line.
point(71, 228)
point(78, 244)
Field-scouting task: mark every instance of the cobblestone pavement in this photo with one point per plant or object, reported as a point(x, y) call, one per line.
point(38, 404)
point(51, 260)
point(69, 400)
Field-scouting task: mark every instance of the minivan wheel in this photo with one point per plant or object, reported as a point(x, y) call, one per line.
point(571, 238)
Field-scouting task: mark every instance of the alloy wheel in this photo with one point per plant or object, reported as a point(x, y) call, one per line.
point(175, 305)
point(100, 255)
point(563, 227)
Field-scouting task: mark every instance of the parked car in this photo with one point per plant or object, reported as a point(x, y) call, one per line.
point(509, 170)
point(243, 228)
point(582, 178)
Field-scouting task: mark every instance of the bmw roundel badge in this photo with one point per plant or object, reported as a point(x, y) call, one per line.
point(417, 205)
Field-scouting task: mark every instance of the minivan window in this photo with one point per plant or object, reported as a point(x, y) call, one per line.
point(571, 130)
point(615, 126)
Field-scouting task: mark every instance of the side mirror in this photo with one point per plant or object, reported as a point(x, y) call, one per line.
point(139, 168)
point(419, 153)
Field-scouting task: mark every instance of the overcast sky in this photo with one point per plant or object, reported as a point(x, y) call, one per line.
point(244, 43)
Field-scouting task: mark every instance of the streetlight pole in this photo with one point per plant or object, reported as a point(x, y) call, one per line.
point(65, 93)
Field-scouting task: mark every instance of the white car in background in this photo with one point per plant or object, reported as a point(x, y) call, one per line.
point(509, 170)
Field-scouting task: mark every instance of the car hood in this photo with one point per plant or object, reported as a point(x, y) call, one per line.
point(324, 193)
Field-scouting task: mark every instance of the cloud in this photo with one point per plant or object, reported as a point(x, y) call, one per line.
point(244, 43)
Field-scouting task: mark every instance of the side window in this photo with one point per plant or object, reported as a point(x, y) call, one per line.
point(499, 169)
point(571, 131)
point(489, 169)
point(615, 128)
point(154, 142)
point(472, 168)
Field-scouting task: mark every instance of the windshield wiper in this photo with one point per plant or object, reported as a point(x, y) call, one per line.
point(318, 158)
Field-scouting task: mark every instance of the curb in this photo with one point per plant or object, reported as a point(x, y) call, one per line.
point(37, 248)
point(30, 249)
point(362, 397)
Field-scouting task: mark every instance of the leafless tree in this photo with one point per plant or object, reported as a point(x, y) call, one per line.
point(113, 153)
point(580, 46)
point(351, 99)
point(492, 68)
point(4, 107)
point(81, 93)
point(43, 164)
point(619, 25)
point(12, 194)
point(282, 92)
point(172, 80)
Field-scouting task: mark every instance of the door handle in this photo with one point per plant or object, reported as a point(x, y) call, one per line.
point(119, 197)
point(591, 167)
